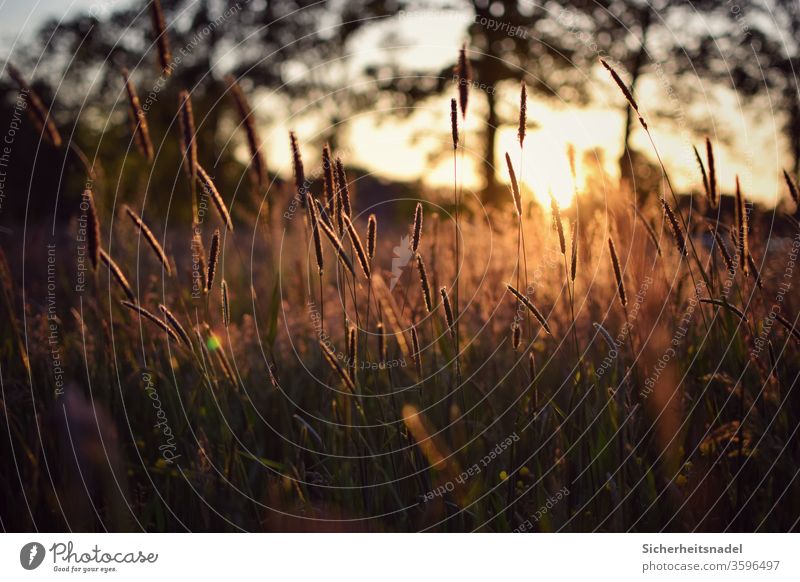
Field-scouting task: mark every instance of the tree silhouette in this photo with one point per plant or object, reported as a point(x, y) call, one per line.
point(77, 65)
point(508, 42)
point(759, 59)
point(648, 37)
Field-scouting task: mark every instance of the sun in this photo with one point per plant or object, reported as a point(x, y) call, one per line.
point(544, 168)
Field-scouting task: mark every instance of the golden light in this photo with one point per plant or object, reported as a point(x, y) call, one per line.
point(544, 168)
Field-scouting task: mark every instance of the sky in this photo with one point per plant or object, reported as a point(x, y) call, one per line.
point(24, 16)
point(432, 38)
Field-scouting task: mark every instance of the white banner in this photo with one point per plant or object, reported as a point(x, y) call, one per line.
point(401, 557)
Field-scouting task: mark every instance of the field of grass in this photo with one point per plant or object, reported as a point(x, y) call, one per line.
point(310, 359)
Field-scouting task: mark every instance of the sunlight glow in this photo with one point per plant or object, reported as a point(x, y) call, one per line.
point(545, 166)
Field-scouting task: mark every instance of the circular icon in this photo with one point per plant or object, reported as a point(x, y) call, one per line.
point(31, 555)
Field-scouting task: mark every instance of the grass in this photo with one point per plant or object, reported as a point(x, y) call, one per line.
point(305, 394)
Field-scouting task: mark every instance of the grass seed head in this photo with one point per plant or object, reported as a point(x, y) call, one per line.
point(188, 135)
point(514, 186)
point(448, 311)
point(523, 113)
point(299, 172)
point(213, 258)
point(712, 173)
point(464, 73)
point(138, 120)
point(623, 298)
point(161, 38)
point(150, 238)
point(454, 122)
point(416, 230)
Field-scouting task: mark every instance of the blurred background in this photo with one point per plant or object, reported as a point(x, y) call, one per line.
point(374, 79)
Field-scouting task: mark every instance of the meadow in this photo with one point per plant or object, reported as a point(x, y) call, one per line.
point(300, 356)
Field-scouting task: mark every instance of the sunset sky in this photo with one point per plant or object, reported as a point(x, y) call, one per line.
point(430, 39)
